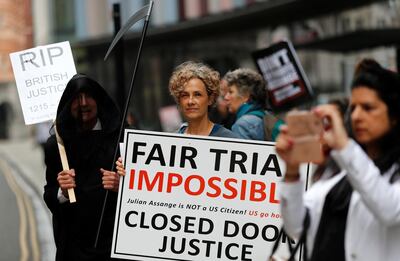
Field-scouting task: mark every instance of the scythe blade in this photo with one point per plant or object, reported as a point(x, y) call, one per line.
point(140, 14)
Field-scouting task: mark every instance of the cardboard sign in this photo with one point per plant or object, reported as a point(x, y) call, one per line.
point(287, 84)
point(197, 198)
point(41, 75)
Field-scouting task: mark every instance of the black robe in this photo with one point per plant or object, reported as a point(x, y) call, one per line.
point(75, 225)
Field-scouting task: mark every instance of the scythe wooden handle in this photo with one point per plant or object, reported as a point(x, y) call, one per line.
point(64, 162)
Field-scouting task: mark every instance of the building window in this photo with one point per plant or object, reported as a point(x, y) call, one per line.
point(64, 19)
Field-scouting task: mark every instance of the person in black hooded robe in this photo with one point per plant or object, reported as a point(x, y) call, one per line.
point(87, 121)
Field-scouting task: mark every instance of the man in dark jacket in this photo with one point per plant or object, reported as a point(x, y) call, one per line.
point(87, 121)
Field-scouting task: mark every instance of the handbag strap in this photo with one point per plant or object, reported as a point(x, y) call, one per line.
point(302, 239)
point(276, 244)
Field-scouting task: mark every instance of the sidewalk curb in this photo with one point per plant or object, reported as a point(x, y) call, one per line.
point(42, 215)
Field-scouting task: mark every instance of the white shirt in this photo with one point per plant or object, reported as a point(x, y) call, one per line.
point(373, 221)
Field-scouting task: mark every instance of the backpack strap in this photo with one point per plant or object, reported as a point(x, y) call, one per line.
point(269, 123)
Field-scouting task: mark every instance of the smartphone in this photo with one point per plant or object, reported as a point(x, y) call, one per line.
point(306, 129)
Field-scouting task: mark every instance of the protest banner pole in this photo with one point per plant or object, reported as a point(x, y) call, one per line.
point(64, 162)
point(144, 12)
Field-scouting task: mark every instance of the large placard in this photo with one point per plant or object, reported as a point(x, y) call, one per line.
point(41, 75)
point(197, 198)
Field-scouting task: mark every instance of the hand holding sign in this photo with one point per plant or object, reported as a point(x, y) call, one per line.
point(65, 165)
point(66, 179)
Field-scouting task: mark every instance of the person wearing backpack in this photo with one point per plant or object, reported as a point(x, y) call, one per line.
point(246, 98)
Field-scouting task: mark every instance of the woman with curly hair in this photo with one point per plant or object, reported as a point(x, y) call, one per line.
point(195, 88)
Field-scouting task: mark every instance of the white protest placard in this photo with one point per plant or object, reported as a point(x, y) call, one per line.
point(197, 198)
point(41, 75)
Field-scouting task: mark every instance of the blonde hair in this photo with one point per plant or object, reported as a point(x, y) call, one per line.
point(192, 70)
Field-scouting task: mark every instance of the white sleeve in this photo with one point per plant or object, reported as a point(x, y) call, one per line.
point(380, 197)
point(61, 198)
point(292, 207)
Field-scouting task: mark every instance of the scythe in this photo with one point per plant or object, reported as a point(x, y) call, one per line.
point(144, 12)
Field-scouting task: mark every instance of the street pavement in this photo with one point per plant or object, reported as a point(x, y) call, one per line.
point(9, 240)
point(24, 160)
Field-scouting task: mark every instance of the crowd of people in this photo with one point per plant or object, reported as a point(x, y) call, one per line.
point(353, 205)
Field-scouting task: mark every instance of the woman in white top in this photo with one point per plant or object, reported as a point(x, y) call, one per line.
point(355, 211)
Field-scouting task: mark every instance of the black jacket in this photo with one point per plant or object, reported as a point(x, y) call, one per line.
point(75, 225)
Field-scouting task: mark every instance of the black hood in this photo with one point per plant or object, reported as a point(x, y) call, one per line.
point(107, 111)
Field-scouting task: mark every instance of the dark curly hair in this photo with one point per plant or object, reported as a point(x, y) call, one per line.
point(249, 82)
point(386, 83)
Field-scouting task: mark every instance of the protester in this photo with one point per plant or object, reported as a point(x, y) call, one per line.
point(195, 88)
point(220, 113)
point(132, 120)
point(355, 213)
point(247, 98)
point(87, 121)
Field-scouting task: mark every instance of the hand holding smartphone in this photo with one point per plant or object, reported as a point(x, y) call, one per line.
point(305, 128)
